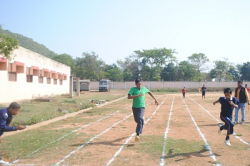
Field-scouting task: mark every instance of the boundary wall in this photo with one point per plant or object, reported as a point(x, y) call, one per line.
point(166, 84)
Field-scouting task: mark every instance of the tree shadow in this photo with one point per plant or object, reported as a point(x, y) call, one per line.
point(110, 143)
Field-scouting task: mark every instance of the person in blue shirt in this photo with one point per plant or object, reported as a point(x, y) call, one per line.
point(228, 103)
point(6, 115)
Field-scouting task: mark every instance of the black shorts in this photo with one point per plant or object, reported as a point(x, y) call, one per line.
point(203, 93)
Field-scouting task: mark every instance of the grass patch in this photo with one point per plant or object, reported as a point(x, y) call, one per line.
point(175, 147)
point(33, 112)
point(216, 162)
point(238, 135)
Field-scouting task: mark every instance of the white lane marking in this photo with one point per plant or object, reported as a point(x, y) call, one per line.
point(91, 139)
point(219, 122)
point(166, 135)
point(121, 148)
point(16, 161)
point(202, 135)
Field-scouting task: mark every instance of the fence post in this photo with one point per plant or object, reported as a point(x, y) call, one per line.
point(78, 86)
point(71, 86)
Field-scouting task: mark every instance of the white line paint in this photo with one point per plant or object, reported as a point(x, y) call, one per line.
point(16, 161)
point(219, 122)
point(91, 139)
point(202, 135)
point(205, 110)
point(166, 135)
point(131, 136)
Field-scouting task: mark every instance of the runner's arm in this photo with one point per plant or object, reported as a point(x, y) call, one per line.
point(156, 102)
point(134, 96)
point(217, 101)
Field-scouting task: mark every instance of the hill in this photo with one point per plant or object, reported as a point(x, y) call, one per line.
point(30, 44)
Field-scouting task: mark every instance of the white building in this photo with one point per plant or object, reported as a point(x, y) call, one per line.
point(31, 75)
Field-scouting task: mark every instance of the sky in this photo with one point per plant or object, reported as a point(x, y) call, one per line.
point(114, 29)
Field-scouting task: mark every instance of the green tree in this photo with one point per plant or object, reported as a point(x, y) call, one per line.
point(199, 61)
point(113, 72)
point(187, 72)
point(245, 71)
point(89, 66)
point(170, 72)
point(221, 70)
point(7, 44)
point(154, 59)
point(130, 68)
point(67, 60)
point(235, 73)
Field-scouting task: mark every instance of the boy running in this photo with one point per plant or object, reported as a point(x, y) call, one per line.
point(228, 103)
point(138, 95)
point(183, 92)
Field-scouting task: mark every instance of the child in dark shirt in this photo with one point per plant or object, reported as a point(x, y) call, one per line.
point(228, 103)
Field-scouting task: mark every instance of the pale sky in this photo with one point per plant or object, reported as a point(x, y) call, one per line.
point(115, 28)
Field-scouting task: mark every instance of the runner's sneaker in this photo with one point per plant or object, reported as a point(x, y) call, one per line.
point(227, 142)
point(236, 122)
point(3, 162)
point(241, 122)
point(137, 138)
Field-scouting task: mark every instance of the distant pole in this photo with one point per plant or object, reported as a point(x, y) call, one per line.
point(71, 87)
point(78, 86)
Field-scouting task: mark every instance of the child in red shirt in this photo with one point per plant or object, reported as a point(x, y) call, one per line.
point(183, 92)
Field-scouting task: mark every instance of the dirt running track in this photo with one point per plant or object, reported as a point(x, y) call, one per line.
point(190, 128)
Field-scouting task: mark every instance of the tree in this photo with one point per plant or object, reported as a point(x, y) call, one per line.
point(170, 72)
point(221, 70)
point(113, 72)
point(155, 59)
point(235, 73)
point(89, 66)
point(245, 71)
point(198, 60)
point(7, 44)
point(67, 60)
point(187, 72)
point(130, 68)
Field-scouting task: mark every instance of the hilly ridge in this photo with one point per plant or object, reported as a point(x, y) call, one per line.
point(30, 44)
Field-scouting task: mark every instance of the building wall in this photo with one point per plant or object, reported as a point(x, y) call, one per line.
point(21, 89)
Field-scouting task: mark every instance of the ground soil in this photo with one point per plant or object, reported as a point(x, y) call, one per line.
point(97, 143)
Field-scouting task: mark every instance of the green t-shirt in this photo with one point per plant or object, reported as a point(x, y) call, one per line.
point(138, 102)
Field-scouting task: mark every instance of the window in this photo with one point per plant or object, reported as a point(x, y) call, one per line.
point(40, 79)
point(55, 81)
point(12, 76)
point(61, 82)
point(29, 78)
point(48, 81)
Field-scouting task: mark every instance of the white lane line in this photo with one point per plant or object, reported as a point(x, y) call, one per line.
point(202, 135)
point(166, 135)
point(205, 110)
point(16, 161)
point(91, 139)
point(131, 136)
point(219, 121)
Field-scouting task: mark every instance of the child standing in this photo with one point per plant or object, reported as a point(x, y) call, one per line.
point(183, 92)
point(203, 89)
point(228, 103)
